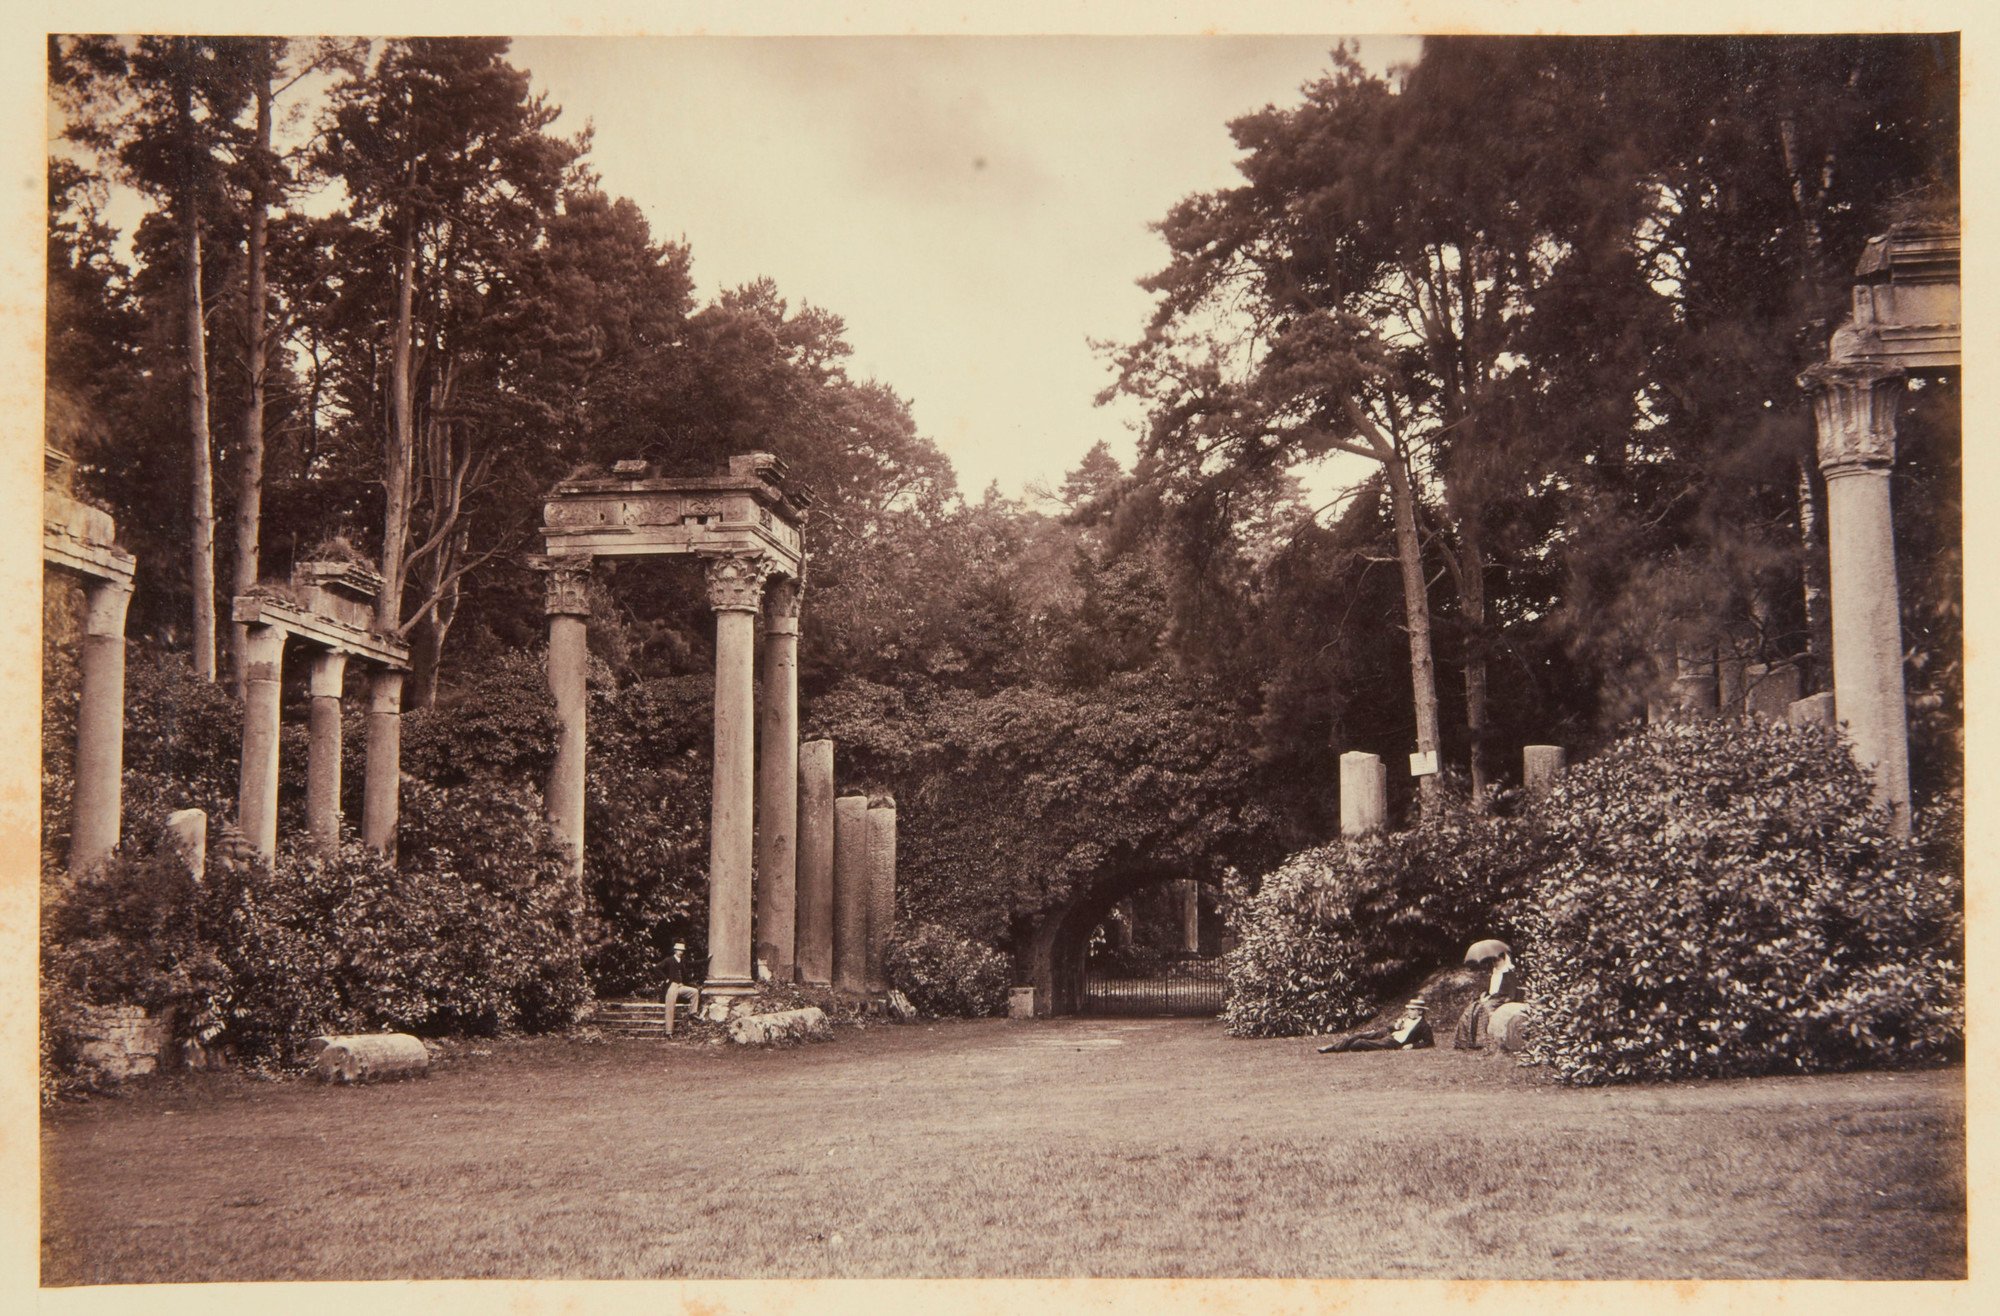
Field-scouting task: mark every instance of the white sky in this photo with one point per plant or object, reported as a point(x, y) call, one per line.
point(975, 208)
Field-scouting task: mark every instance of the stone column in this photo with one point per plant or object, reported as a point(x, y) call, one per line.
point(1540, 765)
point(568, 605)
point(881, 891)
point(1772, 690)
point(735, 589)
point(1695, 692)
point(850, 893)
point(257, 793)
point(381, 787)
point(1191, 916)
point(100, 726)
point(329, 673)
point(1364, 794)
point(815, 863)
point(778, 783)
point(1854, 407)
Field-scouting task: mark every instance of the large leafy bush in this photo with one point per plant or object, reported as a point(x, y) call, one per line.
point(1723, 899)
point(1341, 927)
point(946, 974)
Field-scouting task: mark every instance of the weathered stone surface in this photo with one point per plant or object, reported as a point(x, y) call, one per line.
point(778, 785)
point(881, 891)
point(1540, 766)
point(100, 725)
point(1364, 794)
point(257, 794)
point(1509, 1025)
point(368, 1057)
point(899, 1006)
point(381, 800)
point(850, 893)
point(815, 863)
point(1771, 690)
point(735, 589)
point(805, 1025)
point(1021, 1003)
point(1812, 711)
point(120, 1041)
point(189, 828)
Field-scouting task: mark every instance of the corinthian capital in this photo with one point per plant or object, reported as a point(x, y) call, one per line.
point(736, 582)
point(1854, 408)
point(781, 604)
point(568, 588)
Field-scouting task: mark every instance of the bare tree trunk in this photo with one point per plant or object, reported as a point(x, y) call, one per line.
point(402, 440)
point(1417, 610)
point(1472, 602)
point(201, 572)
point(250, 491)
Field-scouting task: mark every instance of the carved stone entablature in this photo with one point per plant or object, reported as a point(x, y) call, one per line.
point(736, 581)
point(345, 591)
point(566, 585)
point(1854, 406)
point(317, 628)
point(748, 510)
point(79, 536)
point(1907, 301)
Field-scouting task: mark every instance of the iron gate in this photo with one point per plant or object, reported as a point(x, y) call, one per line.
point(1153, 985)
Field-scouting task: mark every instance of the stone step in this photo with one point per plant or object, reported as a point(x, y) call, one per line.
point(631, 1018)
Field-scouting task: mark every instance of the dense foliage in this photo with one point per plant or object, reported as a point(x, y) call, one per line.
point(1722, 899)
point(1703, 899)
point(1340, 928)
point(946, 974)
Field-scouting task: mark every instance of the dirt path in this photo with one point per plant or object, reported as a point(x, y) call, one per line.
point(1126, 1147)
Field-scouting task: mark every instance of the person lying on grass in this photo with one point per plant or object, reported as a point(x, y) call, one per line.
point(1406, 1034)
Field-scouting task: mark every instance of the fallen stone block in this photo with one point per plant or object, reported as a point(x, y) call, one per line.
point(808, 1024)
point(899, 1005)
point(368, 1057)
point(1509, 1025)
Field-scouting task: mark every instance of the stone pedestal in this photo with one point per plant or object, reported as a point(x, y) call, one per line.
point(189, 830)
point(381, 787)
point(814, 921)
point(100, 726)
point(329, 672)
point(568, 605)
point(1771, 690)
point(778, 785)
point(257, 791)
point(1854, 407)
point(1364, 794)
point(1540, 766)
point(850, 893)
point(735, 588)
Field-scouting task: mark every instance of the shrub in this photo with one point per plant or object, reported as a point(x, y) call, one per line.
point(1722, 899)
point(946, 974)
point(1340, 927)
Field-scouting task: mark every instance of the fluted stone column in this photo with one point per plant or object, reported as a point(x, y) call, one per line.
point(1540, 766)
point(815, 863)
point(381, 786)
point(735, 590)
point(778, 783)
point(329, 673)
point(100, 726)
point(881, 890)
point(850, 893)
point(568, 606)
point(257, 791)
point(1364, 794)
point(1854, 407)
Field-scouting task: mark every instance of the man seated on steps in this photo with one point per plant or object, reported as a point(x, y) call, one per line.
point(678, 991)
point(1407, 1034)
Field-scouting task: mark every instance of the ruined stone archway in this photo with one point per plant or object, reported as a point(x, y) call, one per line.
point(1056, 945)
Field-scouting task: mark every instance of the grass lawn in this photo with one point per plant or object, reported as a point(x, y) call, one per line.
point(1073, 1147)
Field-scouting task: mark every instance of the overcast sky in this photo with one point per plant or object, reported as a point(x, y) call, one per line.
point(976, 208)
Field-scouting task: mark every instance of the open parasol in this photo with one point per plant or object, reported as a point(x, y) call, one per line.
point(1489, 949)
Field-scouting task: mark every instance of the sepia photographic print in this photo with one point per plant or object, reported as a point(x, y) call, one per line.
point(757, 648)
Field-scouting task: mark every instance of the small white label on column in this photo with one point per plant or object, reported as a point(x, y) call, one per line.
point(1424, 763)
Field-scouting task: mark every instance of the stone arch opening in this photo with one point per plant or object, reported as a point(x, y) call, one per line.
point(1056, 951)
